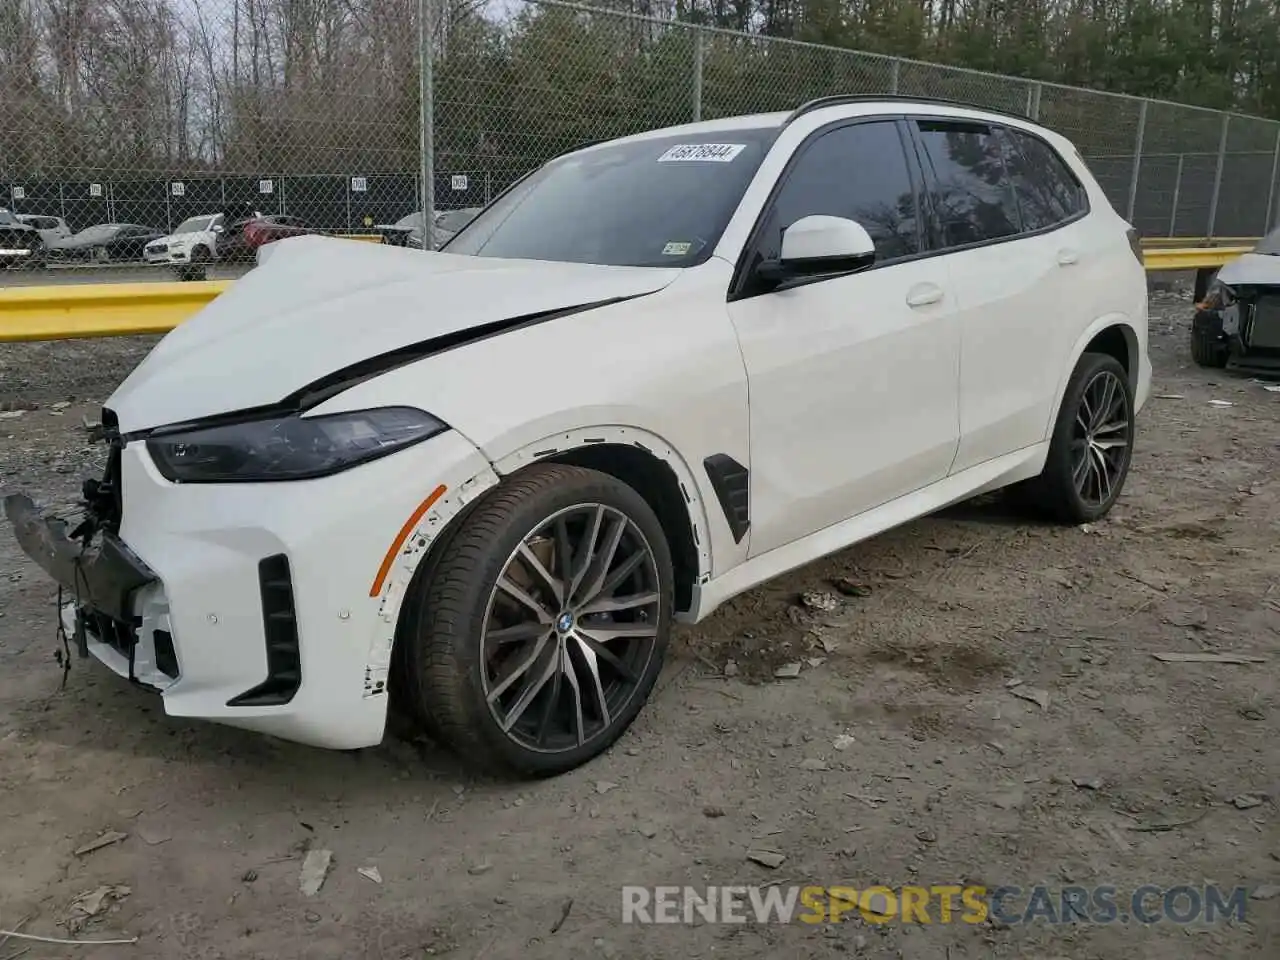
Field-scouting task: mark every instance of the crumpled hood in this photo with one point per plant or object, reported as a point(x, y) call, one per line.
point(315, 305)
point(1252, 268)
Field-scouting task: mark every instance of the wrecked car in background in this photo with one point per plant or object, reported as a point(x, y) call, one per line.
point(1237, 323)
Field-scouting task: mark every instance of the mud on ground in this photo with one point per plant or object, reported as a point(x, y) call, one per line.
point(1009, 726)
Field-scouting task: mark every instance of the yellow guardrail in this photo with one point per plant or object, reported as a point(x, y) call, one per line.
point(74, 311)
point(77, 310)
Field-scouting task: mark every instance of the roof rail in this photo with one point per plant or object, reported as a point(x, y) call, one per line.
point(851, 98)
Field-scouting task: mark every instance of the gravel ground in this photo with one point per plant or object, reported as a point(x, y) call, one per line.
point(984, 708)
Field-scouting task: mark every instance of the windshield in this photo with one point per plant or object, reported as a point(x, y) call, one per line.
point(103, 231)
point(660, 202)
point(195, 224)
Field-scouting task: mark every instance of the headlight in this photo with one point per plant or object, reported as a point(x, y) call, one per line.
point(289, 448)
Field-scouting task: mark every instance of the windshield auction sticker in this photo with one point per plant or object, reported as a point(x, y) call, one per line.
point(703, 152)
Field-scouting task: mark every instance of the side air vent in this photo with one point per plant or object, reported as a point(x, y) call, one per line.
point(280, 626)
point(732, 484)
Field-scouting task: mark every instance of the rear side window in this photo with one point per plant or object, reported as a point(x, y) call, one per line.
point(970, 191)
point(858, 172)
point(1048, 192)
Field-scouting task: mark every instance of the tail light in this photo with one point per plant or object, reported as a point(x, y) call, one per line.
point(1135, 244)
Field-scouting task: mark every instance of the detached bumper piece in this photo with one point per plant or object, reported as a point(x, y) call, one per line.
point(1247, 331)
point(102, 574)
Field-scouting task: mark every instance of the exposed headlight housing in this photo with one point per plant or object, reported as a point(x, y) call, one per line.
point(289, 447)
point(1219, 296)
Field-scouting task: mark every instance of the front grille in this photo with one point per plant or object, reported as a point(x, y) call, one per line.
point(1264, 332)
point(118, 635)
point(162, 248)
point(280, 628)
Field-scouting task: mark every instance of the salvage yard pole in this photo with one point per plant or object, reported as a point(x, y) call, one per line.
point(1271, 189)
point(1217, 177)
point(697, 74)
point(1137, 161)
point(426, 130)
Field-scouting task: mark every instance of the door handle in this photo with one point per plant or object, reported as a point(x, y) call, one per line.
point(1067, 257)
point(923, 294)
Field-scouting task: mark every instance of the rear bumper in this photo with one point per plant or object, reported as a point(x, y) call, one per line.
point(249, 604)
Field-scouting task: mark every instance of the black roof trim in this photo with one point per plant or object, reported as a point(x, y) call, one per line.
point(852, 98)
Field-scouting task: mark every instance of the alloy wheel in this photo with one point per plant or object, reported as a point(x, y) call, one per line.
point(570, 628)
point(1100, 439)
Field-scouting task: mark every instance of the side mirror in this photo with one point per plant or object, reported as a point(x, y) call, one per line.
point(821, 244)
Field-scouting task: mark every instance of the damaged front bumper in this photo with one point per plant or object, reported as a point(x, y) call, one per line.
point(118, 611)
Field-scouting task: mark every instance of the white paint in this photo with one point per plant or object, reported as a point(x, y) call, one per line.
point(873, 399)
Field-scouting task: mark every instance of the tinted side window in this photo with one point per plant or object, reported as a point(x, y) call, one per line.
point(1047, 190)
point(858, 172)
point(971, 194)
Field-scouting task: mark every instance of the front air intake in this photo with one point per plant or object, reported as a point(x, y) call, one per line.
point(280, 628)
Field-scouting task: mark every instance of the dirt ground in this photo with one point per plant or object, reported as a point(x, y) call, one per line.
point(1128, 770)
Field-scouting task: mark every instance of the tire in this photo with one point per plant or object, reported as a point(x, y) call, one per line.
point(197, 268)
point(1207, 350)
point(101, 255)
point(1054, 493)
point(445, 668)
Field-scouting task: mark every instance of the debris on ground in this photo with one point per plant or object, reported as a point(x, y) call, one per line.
point(315, 867)
point(1237, 658)
point(565, 908)
point(370, 873)
point(476, 869)
point(604, 786)
point(1267, 891)
point(820, 600)
point(813, 763)
point(1032, 694)
point(1247, 801)
point(788, 671)
point(1087, 783)
point(105, 840)
point(731, 668)
point(712, 811)
point(767, 858)
point(844, 741)
point(91, 904)
point(851, 588)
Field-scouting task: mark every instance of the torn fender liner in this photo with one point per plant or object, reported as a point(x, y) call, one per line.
point(101, 574)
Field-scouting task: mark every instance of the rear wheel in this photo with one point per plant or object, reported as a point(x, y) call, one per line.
point(532, 640)
point(1091, 446)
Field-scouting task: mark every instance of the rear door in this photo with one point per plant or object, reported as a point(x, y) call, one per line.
point(1009, 285)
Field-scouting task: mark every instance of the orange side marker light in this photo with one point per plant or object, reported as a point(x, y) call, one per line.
point(403, 535)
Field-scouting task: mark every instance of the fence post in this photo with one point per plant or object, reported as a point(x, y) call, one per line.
point(894, 70)
point(1177, 189)
point(426, 123)
point(1137, 161)
point(1033, 100)
point(1271, 188)
point(1217, 177)
point(697, 74)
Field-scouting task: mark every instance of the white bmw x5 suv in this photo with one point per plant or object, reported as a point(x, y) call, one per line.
point(483, 482)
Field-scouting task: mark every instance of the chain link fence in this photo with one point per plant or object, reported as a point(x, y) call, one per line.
point(145, 117)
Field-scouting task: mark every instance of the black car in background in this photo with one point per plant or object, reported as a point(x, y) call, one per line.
point(20, 244)
point(104, 243)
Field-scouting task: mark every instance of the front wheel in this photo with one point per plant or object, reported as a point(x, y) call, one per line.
point(532, 640)
point(1091, 446)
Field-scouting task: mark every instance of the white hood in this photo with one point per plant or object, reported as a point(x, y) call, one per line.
point(314, 305)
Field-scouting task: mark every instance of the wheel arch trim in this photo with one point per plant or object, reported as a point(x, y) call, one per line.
point(1105, 322)
point(646, 441)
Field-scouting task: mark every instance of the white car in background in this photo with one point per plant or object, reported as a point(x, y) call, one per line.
point(656, 372)
point(51, 229)
point(190, 248)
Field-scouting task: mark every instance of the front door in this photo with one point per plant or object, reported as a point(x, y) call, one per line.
point(853, 380)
